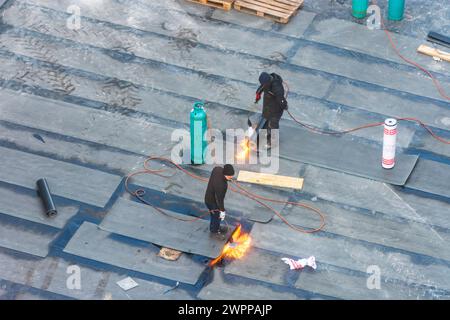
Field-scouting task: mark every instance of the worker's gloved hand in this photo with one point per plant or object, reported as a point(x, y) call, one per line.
point(284, 104)
point(258, 97)
point(222, 215)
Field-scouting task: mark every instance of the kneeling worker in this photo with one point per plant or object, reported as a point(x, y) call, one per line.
point(215, 195)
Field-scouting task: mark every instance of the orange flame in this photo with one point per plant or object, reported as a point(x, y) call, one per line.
point(245, 150)
point(236, 248)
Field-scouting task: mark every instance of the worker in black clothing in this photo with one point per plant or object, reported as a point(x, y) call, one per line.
point(215, 195)
point(274, 102)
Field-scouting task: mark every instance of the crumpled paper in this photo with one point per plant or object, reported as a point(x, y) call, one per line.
point(301, 263)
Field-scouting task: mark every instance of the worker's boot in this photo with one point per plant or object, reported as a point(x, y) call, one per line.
point(221, 234)
point(223, 230)
point(271, 143)
point(218, 236)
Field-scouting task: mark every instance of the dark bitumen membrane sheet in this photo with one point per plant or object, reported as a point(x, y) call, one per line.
point(295, 27)
point(107, 36)
point(66, 180)
point(169, 21)
point(220, 289)
point(343, 154)
point(28, 206)
point(336, 32)
point(87, 124)
point(432, 177)
point(24, 237)
point(262, 266)
point(95, 244)
point(194, 191)
point(371, 228)
point(373, 196)
point(146, 290)
point(143, 222)
point(116, 90)
point(332, 61)
point(51, 274)
point(145, 139)
point(355, 287)
point(347, 253)
point(267, 267)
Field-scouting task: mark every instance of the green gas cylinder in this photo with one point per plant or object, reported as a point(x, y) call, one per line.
point(359, 8)
point(199, 126)
point(396, 9)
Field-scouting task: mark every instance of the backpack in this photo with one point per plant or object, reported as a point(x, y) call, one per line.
point(284, 103)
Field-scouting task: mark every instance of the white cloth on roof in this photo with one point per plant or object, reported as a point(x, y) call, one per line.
point(301, 263)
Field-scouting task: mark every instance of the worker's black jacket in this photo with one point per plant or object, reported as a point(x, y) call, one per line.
point(217, 188)
point(274, 102)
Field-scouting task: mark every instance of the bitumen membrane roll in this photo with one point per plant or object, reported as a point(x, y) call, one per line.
point(46, 196)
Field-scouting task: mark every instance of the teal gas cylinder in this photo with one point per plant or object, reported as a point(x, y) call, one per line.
point(359, 8)
point(199, 125)
point(396, 9)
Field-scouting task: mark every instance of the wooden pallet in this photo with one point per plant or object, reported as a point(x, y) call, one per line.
point(277, 10)
point(221, 4)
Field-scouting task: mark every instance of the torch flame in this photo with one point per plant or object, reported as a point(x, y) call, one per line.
point(236, 248)
point(245, 149)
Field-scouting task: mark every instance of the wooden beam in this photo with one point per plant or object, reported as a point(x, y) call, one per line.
point(270, 179)
point(429, 51)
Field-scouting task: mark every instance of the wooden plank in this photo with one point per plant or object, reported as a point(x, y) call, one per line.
point(432, 52)
point(291, 6)
point(270, 179)
point(220, 4)
point(277, 10)
point(283, 8)
point(247, 7)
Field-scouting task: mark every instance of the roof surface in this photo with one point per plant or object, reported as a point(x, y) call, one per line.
point(85, 107)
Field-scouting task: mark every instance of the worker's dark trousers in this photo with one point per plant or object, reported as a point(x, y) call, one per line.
point(214, 224)
point(272, 123)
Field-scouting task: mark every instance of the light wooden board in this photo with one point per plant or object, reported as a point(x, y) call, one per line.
point(270, 179)
point(432, 52)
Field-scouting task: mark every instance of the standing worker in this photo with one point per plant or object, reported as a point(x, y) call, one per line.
point(215, 196)
point(274, 102)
